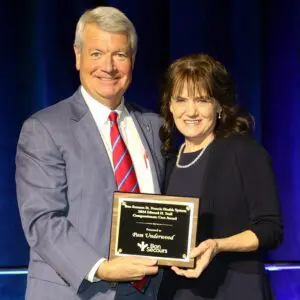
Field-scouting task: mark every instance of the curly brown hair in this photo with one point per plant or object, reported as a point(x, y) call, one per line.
point(201, 71)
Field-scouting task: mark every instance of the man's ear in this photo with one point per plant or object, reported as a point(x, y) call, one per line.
point(132, 60)
point(77, 52)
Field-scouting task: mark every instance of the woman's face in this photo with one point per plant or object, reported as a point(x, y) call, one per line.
point(194, 117)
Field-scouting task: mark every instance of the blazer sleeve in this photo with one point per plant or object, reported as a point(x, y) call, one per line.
point(261, 193)
point(42, 198)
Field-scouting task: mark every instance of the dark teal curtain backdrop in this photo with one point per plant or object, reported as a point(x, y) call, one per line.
point(259, 42)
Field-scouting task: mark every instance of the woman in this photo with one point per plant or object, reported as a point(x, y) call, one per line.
point(230, 172)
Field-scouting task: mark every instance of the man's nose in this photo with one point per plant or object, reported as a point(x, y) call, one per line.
point(108, 63)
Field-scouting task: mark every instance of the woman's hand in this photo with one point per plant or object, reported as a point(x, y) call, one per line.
point(204, 254)
point(245, 241)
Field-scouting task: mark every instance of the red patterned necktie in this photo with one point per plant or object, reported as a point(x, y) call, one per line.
point(124, 173)
point(123, 167)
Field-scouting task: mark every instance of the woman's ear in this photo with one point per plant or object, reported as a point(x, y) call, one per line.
point(219, 111)
point(218, 107)
point(171, 107)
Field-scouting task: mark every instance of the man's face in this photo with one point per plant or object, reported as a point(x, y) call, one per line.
point(105, 64)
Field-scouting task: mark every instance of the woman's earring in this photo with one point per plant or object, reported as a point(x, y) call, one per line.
point(219, 114)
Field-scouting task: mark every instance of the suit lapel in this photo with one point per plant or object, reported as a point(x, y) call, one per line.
point(145, 131)
point(87, 134)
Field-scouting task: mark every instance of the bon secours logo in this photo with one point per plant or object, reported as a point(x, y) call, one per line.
point(154, 248)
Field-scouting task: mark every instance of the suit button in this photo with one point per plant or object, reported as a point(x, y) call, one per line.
point(113, 284)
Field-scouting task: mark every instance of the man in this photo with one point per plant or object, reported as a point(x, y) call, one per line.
point(67, 171)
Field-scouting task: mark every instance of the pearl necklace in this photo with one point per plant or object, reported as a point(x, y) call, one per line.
point(192, 162)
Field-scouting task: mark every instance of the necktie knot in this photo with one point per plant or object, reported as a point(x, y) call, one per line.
point(113, 116)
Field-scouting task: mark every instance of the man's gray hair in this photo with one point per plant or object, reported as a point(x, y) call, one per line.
point(110, 20)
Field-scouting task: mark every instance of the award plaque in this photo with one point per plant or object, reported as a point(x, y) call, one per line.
point(154, 226)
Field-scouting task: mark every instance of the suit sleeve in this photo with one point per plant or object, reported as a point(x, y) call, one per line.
point(261, 193)
point(42, 198)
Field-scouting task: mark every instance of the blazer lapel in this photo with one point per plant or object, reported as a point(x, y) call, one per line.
point(145, 131)
point(87, 134)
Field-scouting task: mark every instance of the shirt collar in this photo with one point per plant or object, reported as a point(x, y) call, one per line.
point(99, 110)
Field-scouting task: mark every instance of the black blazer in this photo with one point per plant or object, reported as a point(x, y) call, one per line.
point(238, 193)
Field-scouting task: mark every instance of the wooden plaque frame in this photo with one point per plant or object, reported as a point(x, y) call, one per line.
point(141, 207)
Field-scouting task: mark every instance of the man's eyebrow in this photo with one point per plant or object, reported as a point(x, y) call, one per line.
point(94, 49)
point(122, 50)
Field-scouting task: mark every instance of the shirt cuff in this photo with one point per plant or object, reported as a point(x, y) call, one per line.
point(91, 276)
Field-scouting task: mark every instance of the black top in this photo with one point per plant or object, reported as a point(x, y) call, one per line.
point(237, 191)
point(188, 182)
point(192, 177)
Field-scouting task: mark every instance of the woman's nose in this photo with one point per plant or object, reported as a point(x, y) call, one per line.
point(191, 108)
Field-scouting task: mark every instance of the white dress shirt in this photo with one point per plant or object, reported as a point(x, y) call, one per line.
point(133, 142)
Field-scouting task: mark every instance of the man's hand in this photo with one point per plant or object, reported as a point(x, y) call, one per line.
point(127, 269)
point(204, 254)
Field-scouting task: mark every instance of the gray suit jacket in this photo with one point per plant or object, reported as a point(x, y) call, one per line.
point(65, 185)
